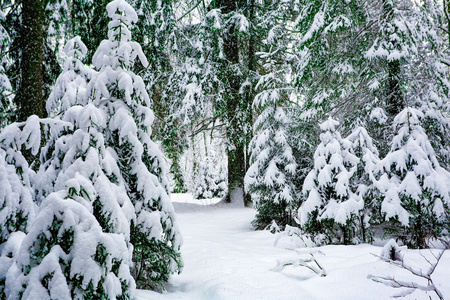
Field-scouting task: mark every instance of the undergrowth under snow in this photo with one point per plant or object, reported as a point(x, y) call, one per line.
point(224, 258)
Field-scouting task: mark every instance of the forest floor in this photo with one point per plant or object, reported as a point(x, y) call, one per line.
point(225, 258)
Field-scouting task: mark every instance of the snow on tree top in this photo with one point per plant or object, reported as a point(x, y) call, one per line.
point(75, 48)
point(121, 10)
point(329, 125)
point(408, 115)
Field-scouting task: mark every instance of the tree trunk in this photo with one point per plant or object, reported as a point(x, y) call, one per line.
point(30, 95)
point(235, 132)
point(249, 93)
point(394, 103)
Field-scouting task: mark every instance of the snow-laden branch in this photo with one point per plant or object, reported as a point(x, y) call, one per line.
point(412, 286)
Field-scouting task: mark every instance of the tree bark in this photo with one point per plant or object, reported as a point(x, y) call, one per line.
point(30, 94)
point(235, 132)
point(249, 94)
point(394, 103)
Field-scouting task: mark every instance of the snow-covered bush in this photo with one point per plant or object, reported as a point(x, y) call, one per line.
point(122, 96)
point(415, 188)
point(270, 177)
point(331, 208)
point(391, 250)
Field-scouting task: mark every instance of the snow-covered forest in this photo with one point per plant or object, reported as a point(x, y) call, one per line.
point(224, 149)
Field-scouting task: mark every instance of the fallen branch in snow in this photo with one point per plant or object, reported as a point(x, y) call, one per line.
point(410, 285)
point(310, 263)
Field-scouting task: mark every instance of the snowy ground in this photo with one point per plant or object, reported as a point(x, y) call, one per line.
point(224, 258)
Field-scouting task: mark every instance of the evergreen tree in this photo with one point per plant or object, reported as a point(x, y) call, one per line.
point(331, 207)
point(271, 177)
point(16, 196)
point(79, 246)
point(331, 73)
point(122, 95)
point(362, 182)
point(414, 185)
point(209, 183)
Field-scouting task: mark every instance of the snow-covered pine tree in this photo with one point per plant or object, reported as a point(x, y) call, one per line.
point(206, 187)
point(271, 176)
point(79, 245)
point(406, 49)
point(17, 208)
point(362, 181)
point(428, 88)
point(122, 96)
point(331, 208)
point(415, 187)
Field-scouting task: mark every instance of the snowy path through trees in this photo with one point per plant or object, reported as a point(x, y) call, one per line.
point(224, 258)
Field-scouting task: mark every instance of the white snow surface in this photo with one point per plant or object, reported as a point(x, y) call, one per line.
point(224, 258)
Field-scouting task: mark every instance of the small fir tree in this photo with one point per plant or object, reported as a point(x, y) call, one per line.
point(414, 185)
point(122, 96)
point(331, 207)
point(362, 181)
point(270, 178)
point(79, 246)
point(209, 184)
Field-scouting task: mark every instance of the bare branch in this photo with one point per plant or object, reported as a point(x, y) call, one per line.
point(413, 286)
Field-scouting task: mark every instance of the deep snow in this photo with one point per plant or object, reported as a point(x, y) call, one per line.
point(224, 258)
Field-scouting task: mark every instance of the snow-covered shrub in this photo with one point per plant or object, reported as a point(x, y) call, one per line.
point(362, 181)
point(270, 177)
point(209, 184)
point(331, 208)
point(121, 94)
point(415, 188)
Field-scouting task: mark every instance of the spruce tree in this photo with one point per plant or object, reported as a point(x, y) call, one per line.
point(271, 177)
point(122, 96)
point(414, 185)
point(362, 183)
point(79, 245)
point(331, 207)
